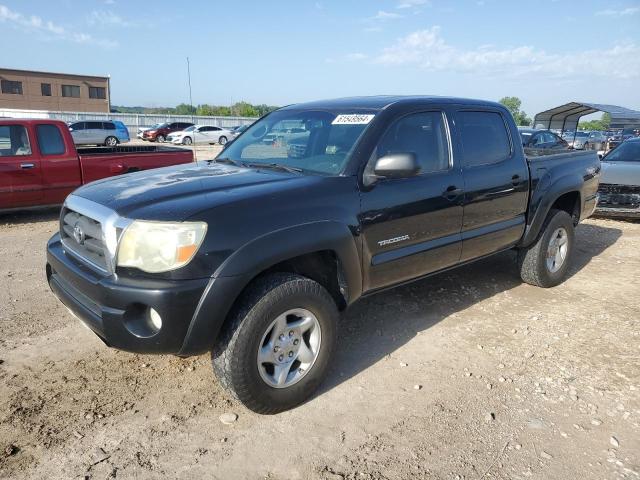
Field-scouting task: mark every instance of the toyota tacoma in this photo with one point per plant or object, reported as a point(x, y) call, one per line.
point(253, 255)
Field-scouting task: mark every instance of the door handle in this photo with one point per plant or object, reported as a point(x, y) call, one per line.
point(451, 192)
point(515, 180)
point(26, 166)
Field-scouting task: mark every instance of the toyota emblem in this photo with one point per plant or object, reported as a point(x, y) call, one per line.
point(78, 234)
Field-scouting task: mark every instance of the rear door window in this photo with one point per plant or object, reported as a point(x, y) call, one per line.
point(94, 125)
point(14, 141)
point(50, 140)
point(484, 137)
point(109, 126)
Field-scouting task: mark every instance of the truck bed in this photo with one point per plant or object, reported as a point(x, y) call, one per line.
point(101, 162)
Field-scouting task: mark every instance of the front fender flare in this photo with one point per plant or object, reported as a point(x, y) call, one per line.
point(233, 275)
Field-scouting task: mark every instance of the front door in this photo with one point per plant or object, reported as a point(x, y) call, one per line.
point(20, 168)
point(411, 226)
point(496, 179)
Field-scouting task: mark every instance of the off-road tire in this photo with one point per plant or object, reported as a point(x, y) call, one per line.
point(532, 259)
point(234, 355)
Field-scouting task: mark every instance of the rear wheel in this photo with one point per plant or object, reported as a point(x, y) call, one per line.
point(111, 141)
point(546, 262)
point(222, 140)
point(277, 345)
point(160, 139)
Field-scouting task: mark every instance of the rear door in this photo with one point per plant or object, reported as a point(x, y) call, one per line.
point(60, 164)
point(20, 169)
point(496, 182)
point(411, 226)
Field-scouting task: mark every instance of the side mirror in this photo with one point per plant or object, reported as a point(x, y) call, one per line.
point(394, 165)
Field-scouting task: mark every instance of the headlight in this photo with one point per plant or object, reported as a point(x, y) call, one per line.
point(159, 247)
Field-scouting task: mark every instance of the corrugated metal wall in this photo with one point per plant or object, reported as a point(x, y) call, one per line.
point(131, 120)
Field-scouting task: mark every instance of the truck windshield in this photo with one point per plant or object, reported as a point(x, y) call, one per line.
point(316, 141)
point(625, 152)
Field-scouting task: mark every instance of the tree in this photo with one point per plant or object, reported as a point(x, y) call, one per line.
point(184, 109)
point(513, 104)
point(602, 124)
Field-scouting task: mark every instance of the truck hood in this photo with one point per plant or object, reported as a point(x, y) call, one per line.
point(180, 191)
point(620, 173)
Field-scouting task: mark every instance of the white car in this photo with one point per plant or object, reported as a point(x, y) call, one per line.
point(200, 134)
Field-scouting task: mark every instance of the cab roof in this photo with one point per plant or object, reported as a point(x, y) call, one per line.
point(381, 102)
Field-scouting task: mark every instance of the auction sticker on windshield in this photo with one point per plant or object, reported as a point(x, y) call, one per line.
point(352, 119)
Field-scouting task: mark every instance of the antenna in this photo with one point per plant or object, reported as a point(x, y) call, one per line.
point(195, 158)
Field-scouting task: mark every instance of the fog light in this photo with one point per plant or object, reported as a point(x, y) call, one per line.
point(156, 319)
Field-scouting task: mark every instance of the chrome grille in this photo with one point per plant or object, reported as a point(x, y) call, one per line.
point(82, 235)
point(612, 195)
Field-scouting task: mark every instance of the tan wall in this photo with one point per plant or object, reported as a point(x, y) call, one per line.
point(33, 99)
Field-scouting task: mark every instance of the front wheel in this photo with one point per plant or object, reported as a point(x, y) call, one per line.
point(546, 262)
point(276, 348)
point(222, 140)
point(187, 141)
point(111, 141)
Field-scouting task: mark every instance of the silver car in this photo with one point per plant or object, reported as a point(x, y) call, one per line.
point(96, 133)
point(619, 191)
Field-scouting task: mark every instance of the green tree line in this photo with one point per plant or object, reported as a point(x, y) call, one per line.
point(238, 109)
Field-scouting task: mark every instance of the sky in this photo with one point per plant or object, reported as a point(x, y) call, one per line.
point(546, 52)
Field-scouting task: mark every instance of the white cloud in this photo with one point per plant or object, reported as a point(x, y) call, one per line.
point(412, 3)
point(428, 49)
point(107, 19)
point(33, 23)
point(618, 13)
point(383, 15)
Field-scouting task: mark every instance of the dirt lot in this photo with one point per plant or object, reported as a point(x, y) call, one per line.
point(468, 375)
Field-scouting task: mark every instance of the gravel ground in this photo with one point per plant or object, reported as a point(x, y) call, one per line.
point(468, 375)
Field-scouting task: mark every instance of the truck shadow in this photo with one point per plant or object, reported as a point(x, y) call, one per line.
point(44, 214)
point(379, 325)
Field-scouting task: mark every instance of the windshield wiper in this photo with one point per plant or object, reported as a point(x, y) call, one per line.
point(228, 161)
point(276, 166)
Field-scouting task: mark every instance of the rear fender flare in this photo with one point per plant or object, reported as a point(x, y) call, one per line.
point(543, 199)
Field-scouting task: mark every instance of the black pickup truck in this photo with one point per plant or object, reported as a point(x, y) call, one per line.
point(253, 255)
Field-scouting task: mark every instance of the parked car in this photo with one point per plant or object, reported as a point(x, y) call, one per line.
point(252, 256)
point(109, 133)
point(160, 133)
point(238, 130)
point(40, 165)
point(620, 181)
point(200, 134)
point(577, 140)
point(141, 130)
point(595, 141)
point(542, 139)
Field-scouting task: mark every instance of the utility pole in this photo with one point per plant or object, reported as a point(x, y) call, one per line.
point(190, 97)
point(191, 104)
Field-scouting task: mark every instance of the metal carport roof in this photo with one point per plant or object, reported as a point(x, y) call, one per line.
point(566, 117)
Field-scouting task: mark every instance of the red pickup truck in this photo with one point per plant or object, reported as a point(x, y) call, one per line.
point(40, 165)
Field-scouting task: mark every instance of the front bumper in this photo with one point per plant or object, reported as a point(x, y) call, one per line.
point(618, 212)
point(114, 307)
point(622, 201)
